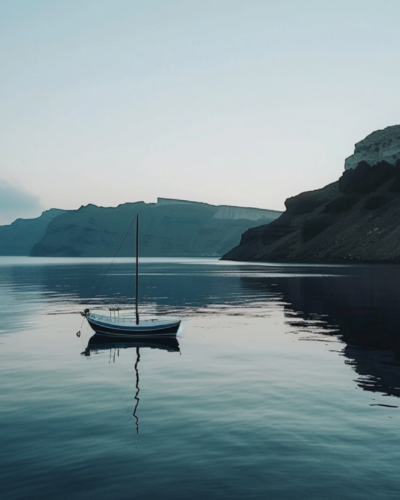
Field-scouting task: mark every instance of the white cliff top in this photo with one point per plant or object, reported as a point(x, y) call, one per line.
point(378, 146)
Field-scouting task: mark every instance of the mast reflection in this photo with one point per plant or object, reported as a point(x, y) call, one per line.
point(102, 343)
point(137, 390)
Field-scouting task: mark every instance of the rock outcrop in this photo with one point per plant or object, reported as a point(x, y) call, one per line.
point(170, 228)
point(355, 219)
point(381, 145)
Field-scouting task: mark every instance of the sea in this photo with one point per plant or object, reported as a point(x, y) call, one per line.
point(283, 381)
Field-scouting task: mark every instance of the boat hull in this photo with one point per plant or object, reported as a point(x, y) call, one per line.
point(144, 329)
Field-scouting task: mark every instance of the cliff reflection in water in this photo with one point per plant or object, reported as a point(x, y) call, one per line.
point(358, 304)
point(361, 308)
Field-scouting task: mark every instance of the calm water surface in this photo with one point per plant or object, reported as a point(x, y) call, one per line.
point(284, 382)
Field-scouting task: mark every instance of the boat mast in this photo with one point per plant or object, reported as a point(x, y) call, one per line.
point(137, 267)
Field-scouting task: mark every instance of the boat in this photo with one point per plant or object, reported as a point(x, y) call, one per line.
point(121, 326)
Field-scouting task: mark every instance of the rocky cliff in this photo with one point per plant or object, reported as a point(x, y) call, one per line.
point(381, 145)
point(355, 219)
point(168, 228)
point(19, 237)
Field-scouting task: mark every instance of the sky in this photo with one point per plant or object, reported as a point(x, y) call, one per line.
point(237, 102)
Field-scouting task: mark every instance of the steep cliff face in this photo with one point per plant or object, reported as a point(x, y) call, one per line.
point(355, 219)
point(166, 229)
point(19, 237)
point(381, 145)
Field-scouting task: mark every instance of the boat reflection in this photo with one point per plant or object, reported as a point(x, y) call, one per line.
point(103, 343)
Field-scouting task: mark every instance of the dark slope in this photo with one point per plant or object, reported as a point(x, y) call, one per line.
point(356, 219)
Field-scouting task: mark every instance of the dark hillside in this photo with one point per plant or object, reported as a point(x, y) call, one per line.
point(356, 219)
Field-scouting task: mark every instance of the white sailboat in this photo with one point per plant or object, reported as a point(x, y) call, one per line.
point(123, 327)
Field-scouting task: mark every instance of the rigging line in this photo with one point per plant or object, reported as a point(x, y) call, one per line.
point(115, 256)
point(129, 285)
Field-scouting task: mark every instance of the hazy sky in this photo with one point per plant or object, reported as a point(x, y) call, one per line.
point(240, 102)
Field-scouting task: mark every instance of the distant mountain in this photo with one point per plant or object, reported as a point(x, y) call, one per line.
point(19, 237)
point(167, 228)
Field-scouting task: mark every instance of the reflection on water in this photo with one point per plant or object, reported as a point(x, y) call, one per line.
point(108, 343)
point(361, 308)
point(103, 342)
point(137, 390)
point(259, 404)
point(358, 304)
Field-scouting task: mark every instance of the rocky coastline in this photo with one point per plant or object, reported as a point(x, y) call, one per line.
point(353, 220)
